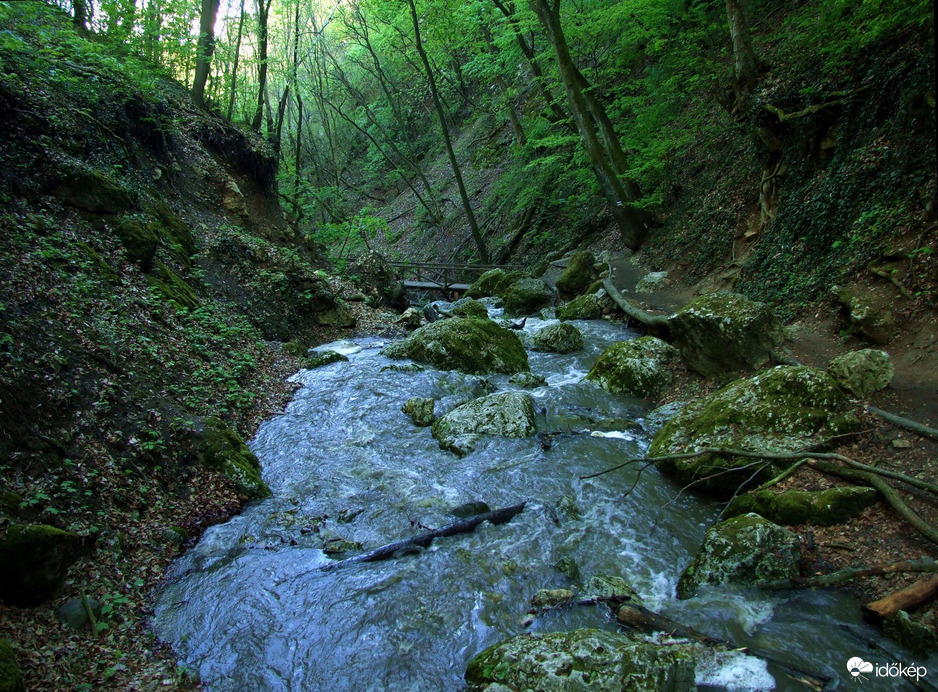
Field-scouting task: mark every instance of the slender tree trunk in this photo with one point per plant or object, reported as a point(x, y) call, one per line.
point(745, 64)
point(441, 114)
point(520, 139)
point(80, 18)
point(234, 68)
point(263, 9)
point(204, 49)
point(604, 161)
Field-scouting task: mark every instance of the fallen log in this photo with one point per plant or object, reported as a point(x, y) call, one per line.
point(423, 540)
point(924, 564)
point(904, 599)
point(917, 428)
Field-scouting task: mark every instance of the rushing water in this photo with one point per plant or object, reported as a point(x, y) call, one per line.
point(248, 609)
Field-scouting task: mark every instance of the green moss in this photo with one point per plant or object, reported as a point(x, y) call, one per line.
point(91, 191)
point(557, 338)
point(107, 272)
point(470, 345)
point(11, 678)
point(911, 634)
point(493, 283)
point(220, 447)
point(634, 368)
point(470, 308)
point(319, 360)
point(168, 225)
point(578, 275)
point(526, 296)
point(585, 307)
point(138, 240)
point(172, 287)
point(294, 348)
point(35, 559)
point(821, 508)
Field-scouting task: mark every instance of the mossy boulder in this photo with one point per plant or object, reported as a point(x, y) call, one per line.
point(470, 345)
point(743, 550)
point(821, 508)
point(862, 373)
point(557, 338)
point(635, 368)
point(93, 192)
point(585, 307)
point(915, 636)
point(725, 332)
point(506, 414)
point(652, 282)
point(218, 446)
point(493, 283)
point(323, 358)
point(578, 275)
point(784, 409)
point(586, 659)
point(420, 410)
point(171, 228)
point(526, 297)
point(11, 677)
point(468, 307)
point(610, 586)
point(35, 559)
point(139, 241)
point(528, 380)
point(172, 287)
point(338, 315)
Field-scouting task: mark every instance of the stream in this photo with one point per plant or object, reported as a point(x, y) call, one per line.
point(247, 609)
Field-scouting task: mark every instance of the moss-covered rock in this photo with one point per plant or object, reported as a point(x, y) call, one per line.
point(468, 307)
point(172, 286)
point(610, 586)
point(585, 307)
point(867, 320)
point(506, 414)
point(35, 559)
point(470, 345)
point(323, 358)
point(336, 316)
point(862, 372)
point(11, 677)
point(171, 228)
point(821, 508)
point(526, 297)
point(577, 276)
point(742, 550)
point(295, 348)
point(782, 410)
point(528, 380)
point(493, 283)
point(725, 332)
point(586, 660)
point(218, 446)
point(634, 368)
point(138, 240)
point(91, 191)
point(915, 636)
point(557, 338)
point(420, 410)
point(652, 282)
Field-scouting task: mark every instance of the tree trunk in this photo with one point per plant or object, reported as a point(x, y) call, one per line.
point(633, 223)
point(234, 68)
point(263, 9)
point(745, 65)
point(441, 114)
point(204, 50)
point(80, 18)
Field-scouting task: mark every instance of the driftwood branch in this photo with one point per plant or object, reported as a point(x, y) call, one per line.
point(923, 564)
point(906, 423)
point(911, 596)
point(887, 491)
point(657, 324)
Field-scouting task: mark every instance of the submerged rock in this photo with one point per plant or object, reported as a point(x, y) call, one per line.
point(420, 409)
point(526, 297)
point(862, 372)
point(219, 446)
point(578, 275)
point(634, 368)
point(725, 332)
point(323, 358)
point(742, 550)
point(586, 659)
point(585, 307)
point(470, 509)
point(609, 586)
point(821, 508)
point(784, 409)
point(557, 338)
point(507, 414)
point(470, 345)
point(528, 380)
point(35, 559)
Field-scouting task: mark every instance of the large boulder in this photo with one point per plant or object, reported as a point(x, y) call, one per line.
point(469, 307)
point(862, 372)
point(35, 560)
point(578, 275)
point(506, 414)
point(585, 307)
point(634, 368)
point(784, 409)
point(557, 338)
point(493, 283)
point(872, 322)
point(820, 507)
point(585, 659)
point(218, 446)
point(526, 297)
point(473, 346)
point(742, 550)
point(725, 332)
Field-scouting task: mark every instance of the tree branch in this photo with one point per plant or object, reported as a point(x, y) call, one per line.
point(924, 564)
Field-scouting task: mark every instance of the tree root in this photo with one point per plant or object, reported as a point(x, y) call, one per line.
point(923, 564)
point(657, 324)
point(917, 428)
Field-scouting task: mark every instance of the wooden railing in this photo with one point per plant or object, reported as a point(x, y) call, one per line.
point(443, 276)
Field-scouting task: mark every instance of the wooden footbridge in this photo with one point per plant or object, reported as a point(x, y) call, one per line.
point(441, 276)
